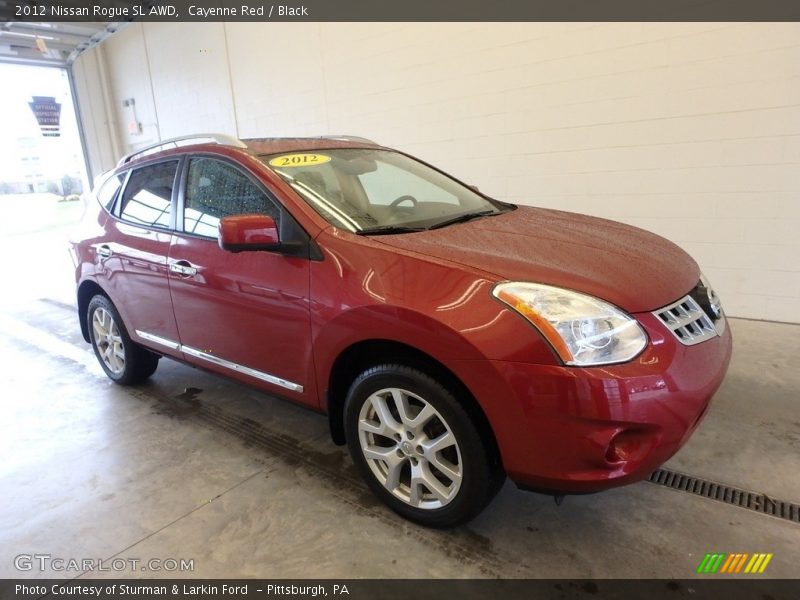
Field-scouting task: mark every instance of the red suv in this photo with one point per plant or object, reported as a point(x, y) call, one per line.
point(452, 339)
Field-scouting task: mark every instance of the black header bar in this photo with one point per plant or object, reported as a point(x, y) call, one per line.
point(398, 10)
point(739, 588)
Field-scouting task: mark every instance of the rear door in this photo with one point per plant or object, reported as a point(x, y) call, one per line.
point(134, 255)
point(243, 314)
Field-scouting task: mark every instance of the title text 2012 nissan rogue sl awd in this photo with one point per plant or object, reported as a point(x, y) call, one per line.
point(452, 339)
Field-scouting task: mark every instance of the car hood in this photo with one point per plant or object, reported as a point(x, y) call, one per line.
point(627, 266)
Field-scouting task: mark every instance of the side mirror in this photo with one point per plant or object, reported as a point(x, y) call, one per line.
point(248, 232)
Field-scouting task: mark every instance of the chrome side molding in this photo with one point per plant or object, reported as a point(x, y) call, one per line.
point(289, 385)
point(295, 387)
point(158, 340)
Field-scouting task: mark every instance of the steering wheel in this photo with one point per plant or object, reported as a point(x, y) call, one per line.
point(402, 199)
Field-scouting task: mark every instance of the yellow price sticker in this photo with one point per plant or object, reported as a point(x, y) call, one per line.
point(299, 160)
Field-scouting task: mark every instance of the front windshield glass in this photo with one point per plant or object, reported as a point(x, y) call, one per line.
point(366, 190)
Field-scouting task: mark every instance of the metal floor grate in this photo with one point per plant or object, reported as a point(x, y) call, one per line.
point(755, 501)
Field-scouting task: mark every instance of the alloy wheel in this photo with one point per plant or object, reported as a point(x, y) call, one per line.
point(410, 448)
point(108, 340)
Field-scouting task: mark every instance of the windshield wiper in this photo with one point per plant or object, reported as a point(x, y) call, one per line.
point(389, 230)
point(464, 218)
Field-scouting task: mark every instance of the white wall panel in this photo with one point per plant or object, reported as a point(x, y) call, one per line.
point(191, 84)
point(128, 73)
point(689, 130)
point(94, 114)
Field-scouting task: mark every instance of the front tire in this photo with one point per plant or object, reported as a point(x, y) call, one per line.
point(416, 446)
point(124, 361)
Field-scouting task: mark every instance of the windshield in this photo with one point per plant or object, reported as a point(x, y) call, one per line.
point(373, 191)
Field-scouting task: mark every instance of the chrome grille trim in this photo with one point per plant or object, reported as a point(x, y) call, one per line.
point(687, 321)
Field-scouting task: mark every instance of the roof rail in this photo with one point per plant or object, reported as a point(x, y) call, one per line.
point(197, 138)
point(348, 138)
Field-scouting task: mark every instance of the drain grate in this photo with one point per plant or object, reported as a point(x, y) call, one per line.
point(755, 501)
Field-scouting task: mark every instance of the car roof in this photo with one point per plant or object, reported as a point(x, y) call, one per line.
point(258, 146)
point(275, 145)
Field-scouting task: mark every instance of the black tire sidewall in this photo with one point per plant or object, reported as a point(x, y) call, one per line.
point(128, 373)
point(474, 493)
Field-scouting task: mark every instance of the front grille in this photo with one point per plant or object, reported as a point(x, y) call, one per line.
point(708, 300)
point(687, 321)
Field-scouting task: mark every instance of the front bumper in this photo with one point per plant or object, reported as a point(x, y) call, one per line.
point(569, 429)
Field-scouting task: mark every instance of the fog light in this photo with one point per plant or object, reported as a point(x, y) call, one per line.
point(630, 445)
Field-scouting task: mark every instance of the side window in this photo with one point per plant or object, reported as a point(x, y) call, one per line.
point(387, 183)
point(107, 193)
point(216, 189)
point(147, 199)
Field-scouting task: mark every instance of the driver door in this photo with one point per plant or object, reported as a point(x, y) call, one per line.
point(241, 314)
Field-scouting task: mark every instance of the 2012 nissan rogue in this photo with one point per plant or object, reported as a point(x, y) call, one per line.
point(452, 339)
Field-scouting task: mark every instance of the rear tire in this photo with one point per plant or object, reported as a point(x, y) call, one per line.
point(124, 361)
point(417, 448)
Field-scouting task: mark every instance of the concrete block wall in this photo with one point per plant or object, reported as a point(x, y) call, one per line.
point(689, 130)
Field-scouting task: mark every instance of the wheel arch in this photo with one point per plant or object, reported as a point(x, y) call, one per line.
point(359, 356)
point(87, 290)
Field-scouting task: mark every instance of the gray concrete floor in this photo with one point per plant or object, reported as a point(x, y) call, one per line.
point(250, 486)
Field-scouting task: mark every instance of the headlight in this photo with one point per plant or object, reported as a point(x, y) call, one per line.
point(584, 330)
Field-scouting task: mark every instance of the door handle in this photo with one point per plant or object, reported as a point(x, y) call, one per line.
point(104, 251)
point(182, 267)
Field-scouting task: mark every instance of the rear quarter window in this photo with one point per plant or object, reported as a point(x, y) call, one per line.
point(108, 192)
point(147, 199)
